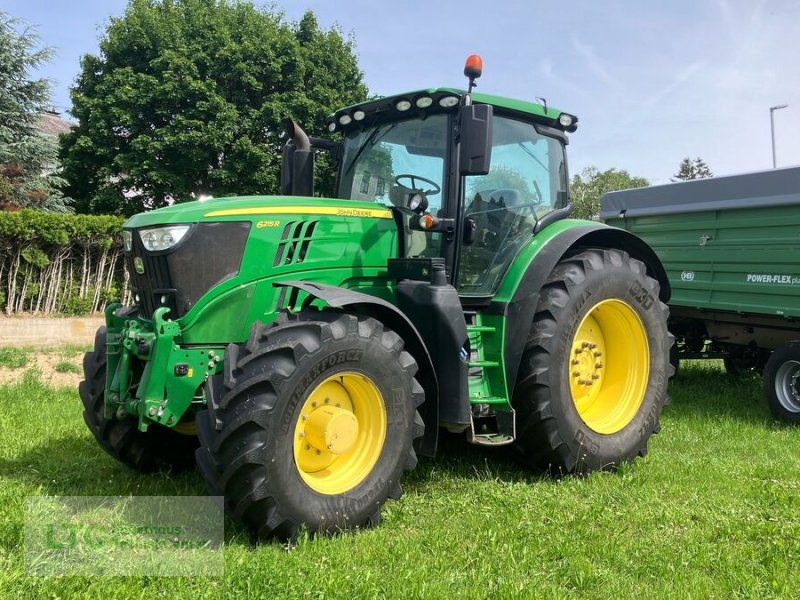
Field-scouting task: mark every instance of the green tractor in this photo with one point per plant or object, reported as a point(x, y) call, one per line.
point(302, 351)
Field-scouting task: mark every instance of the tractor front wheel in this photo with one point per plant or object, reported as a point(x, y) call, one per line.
point(158, 449)
point(311, 424)
point(593, 379)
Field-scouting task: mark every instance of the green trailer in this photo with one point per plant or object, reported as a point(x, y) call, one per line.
point(304, 350)
point(731, 249)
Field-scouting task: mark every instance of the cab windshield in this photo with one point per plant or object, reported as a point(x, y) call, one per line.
point(380, 163)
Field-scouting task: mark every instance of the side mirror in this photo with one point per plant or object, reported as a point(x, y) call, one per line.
point(297, 166)
point(476, 139)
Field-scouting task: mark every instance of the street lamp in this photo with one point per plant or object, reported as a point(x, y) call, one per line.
point(772, 110)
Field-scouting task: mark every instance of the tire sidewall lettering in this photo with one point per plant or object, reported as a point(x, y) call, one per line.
point(606, 279)
point(381, 366)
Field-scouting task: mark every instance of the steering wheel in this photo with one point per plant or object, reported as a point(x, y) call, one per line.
point(414, 178)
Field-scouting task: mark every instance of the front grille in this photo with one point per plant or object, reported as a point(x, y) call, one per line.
point(209, 254)
point(149, 286)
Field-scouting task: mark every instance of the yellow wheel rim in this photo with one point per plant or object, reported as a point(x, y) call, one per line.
point(340, 432)
point(609, 366)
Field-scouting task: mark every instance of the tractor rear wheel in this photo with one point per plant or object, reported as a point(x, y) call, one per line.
point(311, 424)
point(593, 379)
point(158, 449)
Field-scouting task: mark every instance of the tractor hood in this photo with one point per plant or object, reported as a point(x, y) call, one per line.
point(246, 208)
point(192, 256)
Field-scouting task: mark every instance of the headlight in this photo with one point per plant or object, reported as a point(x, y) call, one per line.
point(162, 238)
point(127, 240)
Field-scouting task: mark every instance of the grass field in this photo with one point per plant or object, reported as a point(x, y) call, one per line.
point(712, 512)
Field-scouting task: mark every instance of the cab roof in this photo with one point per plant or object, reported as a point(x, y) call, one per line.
point(438, 100)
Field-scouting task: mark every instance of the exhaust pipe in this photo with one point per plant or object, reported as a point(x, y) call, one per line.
point(297, 169)
point(298, 136)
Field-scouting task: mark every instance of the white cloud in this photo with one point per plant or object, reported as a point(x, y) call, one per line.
point(593, 62)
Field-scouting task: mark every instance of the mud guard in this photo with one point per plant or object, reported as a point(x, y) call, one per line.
point(523, 304)
point(390, 315)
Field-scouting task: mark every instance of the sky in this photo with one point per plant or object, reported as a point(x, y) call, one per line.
point(651, 82)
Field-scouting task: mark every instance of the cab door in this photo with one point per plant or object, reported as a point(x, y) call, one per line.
point(527, 180)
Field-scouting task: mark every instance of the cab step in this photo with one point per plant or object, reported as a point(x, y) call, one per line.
point(488, 400)
point(492, 439)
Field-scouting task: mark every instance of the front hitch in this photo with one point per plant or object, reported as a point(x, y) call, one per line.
point(149, 375)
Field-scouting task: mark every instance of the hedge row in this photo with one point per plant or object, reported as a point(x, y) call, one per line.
point(59, 263)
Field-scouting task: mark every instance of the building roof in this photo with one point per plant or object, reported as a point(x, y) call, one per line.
point(51, 123)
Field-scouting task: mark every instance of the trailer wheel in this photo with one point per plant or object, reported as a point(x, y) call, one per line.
point(593, 379)
point(158, 449)
point(782, 382)
point(311, 424)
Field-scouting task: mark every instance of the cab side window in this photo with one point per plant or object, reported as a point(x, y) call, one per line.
point(527, 180)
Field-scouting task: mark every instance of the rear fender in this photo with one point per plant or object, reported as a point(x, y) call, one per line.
point(520, 310)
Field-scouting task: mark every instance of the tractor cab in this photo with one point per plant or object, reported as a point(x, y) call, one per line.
point(469, 177)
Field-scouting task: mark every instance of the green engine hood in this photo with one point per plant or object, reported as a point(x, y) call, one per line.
point(255, 207)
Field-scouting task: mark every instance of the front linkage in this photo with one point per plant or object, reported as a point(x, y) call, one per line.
point(149, 375)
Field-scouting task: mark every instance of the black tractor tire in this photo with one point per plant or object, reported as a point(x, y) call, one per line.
point(158, 449)
point(782, 383)
point(675, 359)
point(551, 432)
point(251, 432)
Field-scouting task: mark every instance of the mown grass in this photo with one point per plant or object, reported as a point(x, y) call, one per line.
point(712, 512)
point(13, 358)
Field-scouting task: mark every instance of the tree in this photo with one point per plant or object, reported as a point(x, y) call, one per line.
point(588, 187)
point(26, 157)
point(189, 97)
point(692, 169)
